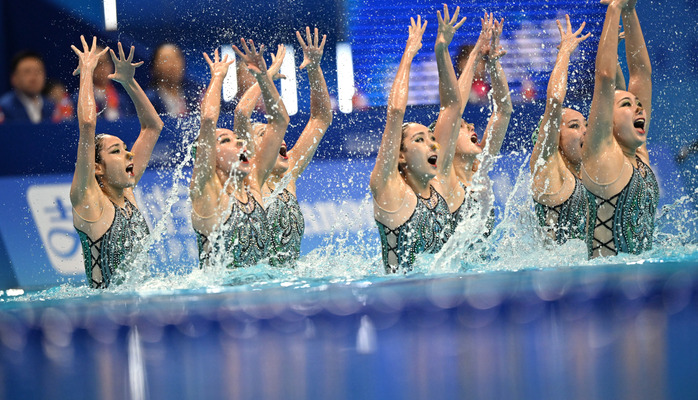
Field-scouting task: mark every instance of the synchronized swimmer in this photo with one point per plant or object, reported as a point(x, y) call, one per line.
point(590, 180)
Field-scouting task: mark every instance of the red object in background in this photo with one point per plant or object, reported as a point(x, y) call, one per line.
point(479, 89)
point(528, 90)
point(64, 110)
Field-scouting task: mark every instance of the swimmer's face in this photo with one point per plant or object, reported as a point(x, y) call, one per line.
point(115, 167)
point(29, 77)
point(168, 64)
point(467, 143)
point(419, 151)
point(629, 117)
point(281, 165)
point(231, 153)
point(573, 130)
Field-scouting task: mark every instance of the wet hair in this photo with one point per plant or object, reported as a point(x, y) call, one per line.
point(21, 56)
point(402, 136)
point(432, 126)
point(99, 144)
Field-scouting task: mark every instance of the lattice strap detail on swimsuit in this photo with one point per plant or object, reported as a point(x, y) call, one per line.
point(95, 248)
point(604, 223)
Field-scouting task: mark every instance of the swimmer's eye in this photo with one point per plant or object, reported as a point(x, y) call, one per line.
point(225, 140)
point(419, 140)
point(240, 143)
point(433, 138)
point(574, 126)
point(626, 103)
point(115, 151)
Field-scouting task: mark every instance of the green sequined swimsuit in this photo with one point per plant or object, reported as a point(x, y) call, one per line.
point(468, 208)
point(426, 231)
point(243, 236)
point(633, 218)
point(570, 217)
point(107, 253)
point(285, 225)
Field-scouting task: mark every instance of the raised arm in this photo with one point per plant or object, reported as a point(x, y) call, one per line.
point(501, 114)
point(203, 180)
point(277, 117)
point(546, 148)
point(320, 106)
point(448, 122)
point(385, 169)
point(639, 67)
point(84, 191)
point(245, 107)
point(599, 137)
point(151, 124)
point(465, 81)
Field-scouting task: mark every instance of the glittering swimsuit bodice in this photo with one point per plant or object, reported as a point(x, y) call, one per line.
point(242, 237)
point(285, 225)
point(633, 215)
point(426, 231)
point(569, 219)
point(105, 255)
point(469, 208)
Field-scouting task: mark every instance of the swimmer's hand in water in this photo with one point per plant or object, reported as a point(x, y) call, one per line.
point(570, 40)
point(276, 61)
point(88, 57)
point(447, 26)
point(219, 68)
point(124, 68)
point(312, 51)
point(252, 58)
point(414, 39)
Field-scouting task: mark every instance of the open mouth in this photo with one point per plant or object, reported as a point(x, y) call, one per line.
point(432, 159)
point(243, 158)
point(129, 169)
point(639, 124)
point(473, 138)
point(282, 152)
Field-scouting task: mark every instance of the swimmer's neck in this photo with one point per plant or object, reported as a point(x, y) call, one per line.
point(465, 167)
point(115, 195)
point(575, 169)
point(235, 185)
point(419, 184)
point(630, 154)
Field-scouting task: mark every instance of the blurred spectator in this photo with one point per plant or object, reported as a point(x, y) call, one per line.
point(479, 89)
point(112, 104)
point(65, 109)
point(24, 102)
point(170, 92)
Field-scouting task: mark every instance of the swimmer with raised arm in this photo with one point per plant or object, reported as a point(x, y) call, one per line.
point(470, 164)
point(560, 198)
point(226, 185)
point(413, 210)
point(285, 220)
point(105, 214)
point(622, 188)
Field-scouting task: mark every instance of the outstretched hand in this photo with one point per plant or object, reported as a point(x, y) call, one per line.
point(312, 51)
point(253, 59)
point(493, 51)
point(447, 26)
point(88, 58)
point(219, 68)
point(276, 62)
point(618, 3)
point(570, 40)
point(124, 68)
point(414, 39)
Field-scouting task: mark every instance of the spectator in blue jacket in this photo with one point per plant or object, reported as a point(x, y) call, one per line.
point(24, 103)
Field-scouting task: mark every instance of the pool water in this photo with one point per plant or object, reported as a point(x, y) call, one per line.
point(612, 331)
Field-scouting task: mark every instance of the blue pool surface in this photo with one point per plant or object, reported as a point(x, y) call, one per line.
point(603, 332)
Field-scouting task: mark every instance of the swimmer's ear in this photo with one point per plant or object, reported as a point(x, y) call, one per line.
point(99, 169)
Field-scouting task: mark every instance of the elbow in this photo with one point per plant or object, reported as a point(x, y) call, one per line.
point(506, 108)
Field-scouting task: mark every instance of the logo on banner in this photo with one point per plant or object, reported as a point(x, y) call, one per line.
point(52, 212)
